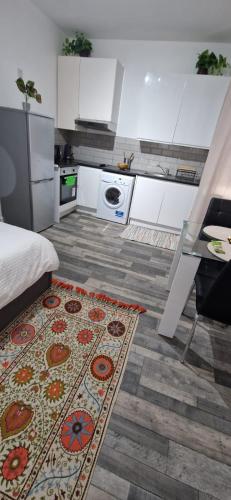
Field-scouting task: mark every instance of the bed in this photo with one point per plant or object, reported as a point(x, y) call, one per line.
point(27, 260)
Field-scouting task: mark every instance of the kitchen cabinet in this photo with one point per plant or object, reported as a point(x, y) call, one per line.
point(100, 89)
point(147, 198)
point(161, 203)
point(68, 91)
point(88, 187)
point(181, 109)
point(176, 204)
point(89, 90)
point(160, 103)
point(200, 108)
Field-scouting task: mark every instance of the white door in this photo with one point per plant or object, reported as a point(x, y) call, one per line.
point(97, 84)
point(177, 204)
point(147, 199)
point(88, 187)
point(202, 101)
point(68, 91)
point(160, 106)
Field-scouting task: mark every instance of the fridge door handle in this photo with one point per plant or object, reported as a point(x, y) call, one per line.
point(43, 180)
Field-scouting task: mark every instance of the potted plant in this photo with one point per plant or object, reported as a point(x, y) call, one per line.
point(209, 64)
point(80, 45)
point(29, 91)
point(220, 66)
point(205, 60)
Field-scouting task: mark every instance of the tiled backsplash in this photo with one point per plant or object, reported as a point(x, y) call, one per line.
point(173, 151)
point(109, 149)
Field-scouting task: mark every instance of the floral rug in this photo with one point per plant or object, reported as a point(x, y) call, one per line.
point(62, 363)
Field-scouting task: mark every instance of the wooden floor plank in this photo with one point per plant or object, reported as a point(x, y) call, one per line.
point(169, 433)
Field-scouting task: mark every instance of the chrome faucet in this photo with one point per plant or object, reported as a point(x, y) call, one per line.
point(164, 170)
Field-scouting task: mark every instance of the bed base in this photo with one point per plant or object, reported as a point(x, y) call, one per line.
point(11, 310)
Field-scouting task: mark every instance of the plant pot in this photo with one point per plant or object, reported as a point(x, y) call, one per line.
point(26, 106)
point(85, 53)
point(202, 71)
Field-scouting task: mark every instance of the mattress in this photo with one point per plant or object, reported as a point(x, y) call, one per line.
point(24, 257)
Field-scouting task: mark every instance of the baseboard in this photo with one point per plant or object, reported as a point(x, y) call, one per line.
point(155, 227)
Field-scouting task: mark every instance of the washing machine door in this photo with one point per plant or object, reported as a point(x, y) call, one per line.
point(113, 196)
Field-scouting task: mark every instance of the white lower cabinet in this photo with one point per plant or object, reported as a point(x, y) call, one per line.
point(88, 187)
point(176, 204)
point(146, 200)
point(162, 203)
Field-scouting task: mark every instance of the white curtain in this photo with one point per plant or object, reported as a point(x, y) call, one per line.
point(216, 177)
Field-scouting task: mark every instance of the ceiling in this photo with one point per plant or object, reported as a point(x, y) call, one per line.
point(182, 20)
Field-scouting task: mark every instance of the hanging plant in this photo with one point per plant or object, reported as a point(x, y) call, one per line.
point(80, 45)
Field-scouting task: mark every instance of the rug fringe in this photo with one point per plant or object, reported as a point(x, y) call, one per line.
point(62, 284)
point(99, 296)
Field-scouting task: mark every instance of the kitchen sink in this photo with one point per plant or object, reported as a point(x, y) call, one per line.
point(155, 174)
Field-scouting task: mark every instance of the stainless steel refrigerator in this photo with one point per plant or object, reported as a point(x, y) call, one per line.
point(26, 169)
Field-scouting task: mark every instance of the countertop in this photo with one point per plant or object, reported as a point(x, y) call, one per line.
point(154, 175)
point(134, 172)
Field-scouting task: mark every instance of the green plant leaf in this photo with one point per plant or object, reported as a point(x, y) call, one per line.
point(32, 92)
point(212, 59)
point(38, 98)
point(29, 84)
point(21, 85)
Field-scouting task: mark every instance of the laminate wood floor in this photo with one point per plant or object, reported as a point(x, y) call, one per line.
point(169, 436)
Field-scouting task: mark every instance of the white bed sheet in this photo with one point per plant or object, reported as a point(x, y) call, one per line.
point(24, 257)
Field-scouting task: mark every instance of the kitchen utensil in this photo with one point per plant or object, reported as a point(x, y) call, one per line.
point(130, 160)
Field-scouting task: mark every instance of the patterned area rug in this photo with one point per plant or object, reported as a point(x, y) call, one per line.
point(160, 239)
point(62, 362)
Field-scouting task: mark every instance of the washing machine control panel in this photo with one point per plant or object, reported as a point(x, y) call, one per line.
point(120, 181)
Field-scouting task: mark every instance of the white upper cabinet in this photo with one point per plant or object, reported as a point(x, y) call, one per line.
point(160, 103)
point(68, 91)
point(100, 89)
point(200, 108)
point(181, 109)
point(89, 89)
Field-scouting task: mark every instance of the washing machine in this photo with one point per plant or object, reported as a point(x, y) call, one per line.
point(115, 193)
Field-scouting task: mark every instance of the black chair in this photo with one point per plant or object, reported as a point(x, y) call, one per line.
point(218, 214)
point(213, 278)
point(212, 296)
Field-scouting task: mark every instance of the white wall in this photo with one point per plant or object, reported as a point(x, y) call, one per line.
point(140, 57)
point(29, 41)
point(216, 179)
